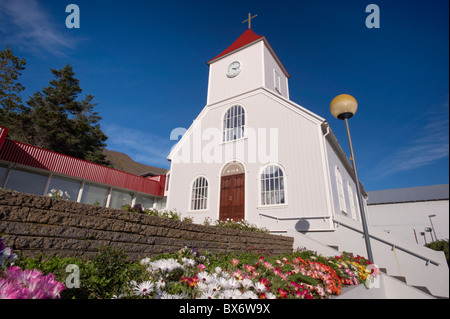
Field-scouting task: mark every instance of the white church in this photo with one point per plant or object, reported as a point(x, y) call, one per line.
point(253, 154)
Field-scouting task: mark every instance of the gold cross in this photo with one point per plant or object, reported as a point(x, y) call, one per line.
point(250, 20)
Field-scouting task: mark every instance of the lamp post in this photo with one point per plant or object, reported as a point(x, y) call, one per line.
point(428, 230)
point(432, 227)
point(343, 107)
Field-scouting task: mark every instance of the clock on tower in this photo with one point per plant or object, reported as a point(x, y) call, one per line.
point(248, 63)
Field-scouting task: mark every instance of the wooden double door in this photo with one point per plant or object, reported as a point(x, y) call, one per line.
point(232, 197)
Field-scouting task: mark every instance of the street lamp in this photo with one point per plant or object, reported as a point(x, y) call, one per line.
point(428, 230)
point(424, 238)
point(432, 227)
point(343, 107)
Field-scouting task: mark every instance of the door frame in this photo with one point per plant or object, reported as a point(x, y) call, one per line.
point(219, 191)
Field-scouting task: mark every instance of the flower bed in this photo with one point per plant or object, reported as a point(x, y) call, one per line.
point(302, 274)
point(189, 274)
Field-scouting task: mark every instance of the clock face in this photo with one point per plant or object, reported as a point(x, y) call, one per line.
point(233, 69)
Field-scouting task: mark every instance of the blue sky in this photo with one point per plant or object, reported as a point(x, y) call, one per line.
point(145, 63)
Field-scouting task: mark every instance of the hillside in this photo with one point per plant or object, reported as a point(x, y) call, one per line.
point(123, 162)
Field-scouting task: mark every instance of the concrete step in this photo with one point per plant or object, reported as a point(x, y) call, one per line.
point(334, 247)
point(401, 278)
point(384, 270)
point(422, 288)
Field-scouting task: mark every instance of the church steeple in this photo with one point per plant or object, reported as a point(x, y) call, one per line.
point(246, 38)
point(248, 63)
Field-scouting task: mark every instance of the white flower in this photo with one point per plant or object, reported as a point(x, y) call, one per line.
point(225, 275)
point(209, 294)
point(144, 288)
point(230, 294)
point(145, 261)
point(188, 262)
point(165, 265)
point(246, 283)
point(204, 277)
point(270, 295)
point(218, 270)
point(201, 286)
point(160, 284)
point(249, 295)
point(259, 287)
point(223, 282)
point(233, 283)
point(213, 287)
point(165, 295)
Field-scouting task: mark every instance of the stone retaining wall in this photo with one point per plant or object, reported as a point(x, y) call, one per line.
point(38, 224)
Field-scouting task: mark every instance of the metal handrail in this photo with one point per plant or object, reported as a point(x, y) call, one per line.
point(294, 218)
point(428, 260)
point(394, 246)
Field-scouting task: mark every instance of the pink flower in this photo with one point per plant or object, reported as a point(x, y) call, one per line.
point(249, 268)
point(279, 262)
point(201, 267)
point(268, 265)
point(29, 284)
point(235, 262)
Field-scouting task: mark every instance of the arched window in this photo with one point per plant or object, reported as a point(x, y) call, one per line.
point(234, 123)
point(199, 196)
point(272, 186)
point(340, 190)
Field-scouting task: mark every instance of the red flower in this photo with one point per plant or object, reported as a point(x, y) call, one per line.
point(282, 293)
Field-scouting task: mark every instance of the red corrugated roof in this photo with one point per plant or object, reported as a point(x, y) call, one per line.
point(246, 38)
point(24, 154)
point(3, 132)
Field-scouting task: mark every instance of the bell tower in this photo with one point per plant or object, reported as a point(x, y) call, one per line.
point(247, 64)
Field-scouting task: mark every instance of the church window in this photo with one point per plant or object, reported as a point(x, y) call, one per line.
point(351, 200)
point(234, 123)
point(199, 196)
point(276, 81)
point(272, 186)
point(340, 190)
point(167, 182)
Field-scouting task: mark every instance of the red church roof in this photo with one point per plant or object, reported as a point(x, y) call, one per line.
point(246, 38)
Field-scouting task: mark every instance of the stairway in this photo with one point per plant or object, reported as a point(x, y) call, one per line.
point(384, 270)
point(421, 267)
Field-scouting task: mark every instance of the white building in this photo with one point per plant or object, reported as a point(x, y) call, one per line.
point(416, 214)
point(254, 154)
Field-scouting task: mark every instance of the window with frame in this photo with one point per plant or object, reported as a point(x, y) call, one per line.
point(276, 81)
point(25, 181)
point(68, 186)
point(340, 190)
point(234, 123)
point(272, 186)
point(199, 197)
point(351, 200)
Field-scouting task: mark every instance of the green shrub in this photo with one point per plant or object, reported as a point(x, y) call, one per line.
point(101, 277)
point(440, 245)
